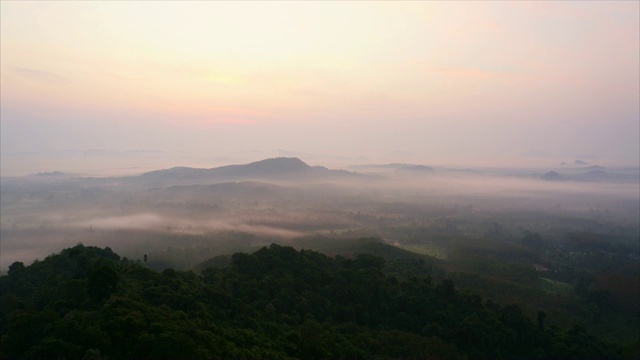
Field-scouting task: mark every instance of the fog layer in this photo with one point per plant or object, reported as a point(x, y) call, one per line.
point(285, 199)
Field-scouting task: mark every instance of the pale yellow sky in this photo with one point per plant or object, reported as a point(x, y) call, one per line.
point(442, 81)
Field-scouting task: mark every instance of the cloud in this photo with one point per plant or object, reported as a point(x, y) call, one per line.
point(156, 222)
point(39, 75)
point(464, 72)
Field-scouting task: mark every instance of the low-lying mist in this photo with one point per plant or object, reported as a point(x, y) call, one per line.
point(42, 214)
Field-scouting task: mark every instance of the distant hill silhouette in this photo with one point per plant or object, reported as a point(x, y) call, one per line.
point(415, 169)
point(592, 176)
point(399, 167)
point(580, 162)
point(552, 176)
point(276, 168)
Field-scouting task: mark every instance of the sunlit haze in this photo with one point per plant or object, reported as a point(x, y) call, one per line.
point(122, 87)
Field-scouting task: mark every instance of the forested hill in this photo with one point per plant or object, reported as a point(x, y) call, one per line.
point(276, 303)
point(290, 169)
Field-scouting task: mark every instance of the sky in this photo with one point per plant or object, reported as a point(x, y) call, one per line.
point(100, 87)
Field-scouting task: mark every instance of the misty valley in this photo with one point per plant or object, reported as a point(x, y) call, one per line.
point(280, 259)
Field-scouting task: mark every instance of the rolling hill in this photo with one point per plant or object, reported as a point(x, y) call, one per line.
point(285, 169)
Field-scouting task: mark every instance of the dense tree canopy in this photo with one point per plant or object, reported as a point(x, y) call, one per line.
point(276, 303)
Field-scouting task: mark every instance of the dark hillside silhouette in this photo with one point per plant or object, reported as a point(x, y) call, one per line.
point(276, 303)
point(276, 169)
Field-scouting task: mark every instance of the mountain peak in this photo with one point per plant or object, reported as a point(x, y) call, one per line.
point(282, 168)
point(551, 176)
point(280, 164)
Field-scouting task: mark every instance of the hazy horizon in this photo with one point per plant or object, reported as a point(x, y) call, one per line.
point(118, 88)
point(319, 179)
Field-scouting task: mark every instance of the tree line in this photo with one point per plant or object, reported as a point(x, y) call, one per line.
point(276, 303)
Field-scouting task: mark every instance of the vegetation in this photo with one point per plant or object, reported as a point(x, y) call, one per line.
point(563, 256)
point(276, 303)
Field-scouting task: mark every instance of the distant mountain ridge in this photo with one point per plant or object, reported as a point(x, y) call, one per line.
point(280, 168)
point(592, 176)
point(552, 176)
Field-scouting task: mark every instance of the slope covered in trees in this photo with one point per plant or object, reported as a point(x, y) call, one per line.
point(276, 303)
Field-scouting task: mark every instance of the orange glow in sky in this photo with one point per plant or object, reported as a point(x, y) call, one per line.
point(402, 75)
